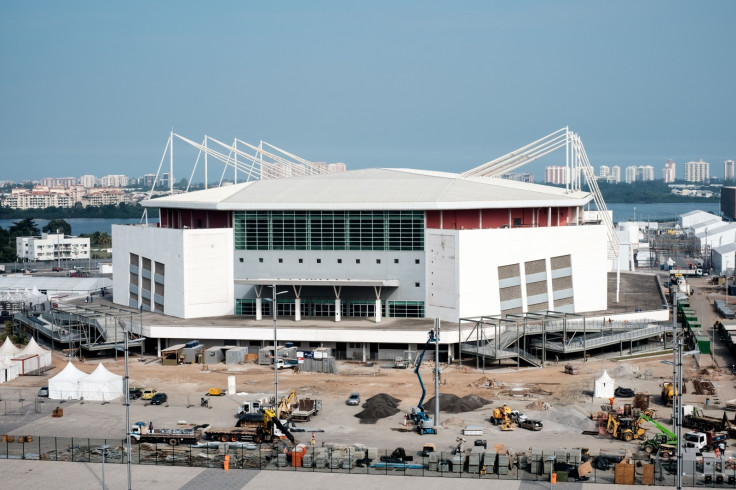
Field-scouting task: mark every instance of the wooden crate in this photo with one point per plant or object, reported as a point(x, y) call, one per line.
point(623, 474)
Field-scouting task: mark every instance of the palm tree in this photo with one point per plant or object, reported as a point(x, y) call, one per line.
point(105, 240)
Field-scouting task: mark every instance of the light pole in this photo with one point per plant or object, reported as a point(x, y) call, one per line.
point(275, 350)
point(104, 448)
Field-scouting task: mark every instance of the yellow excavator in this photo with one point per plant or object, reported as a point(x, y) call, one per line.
point(287, 405)
point(624, 428)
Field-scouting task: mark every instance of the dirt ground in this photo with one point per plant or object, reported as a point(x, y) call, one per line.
point(562, 402)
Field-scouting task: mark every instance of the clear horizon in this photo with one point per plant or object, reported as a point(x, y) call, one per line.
point(93, 87)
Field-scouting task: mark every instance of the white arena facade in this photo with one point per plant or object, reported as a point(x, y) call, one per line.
point(363, 261)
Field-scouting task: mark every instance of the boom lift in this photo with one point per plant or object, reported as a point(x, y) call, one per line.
point(424, 423)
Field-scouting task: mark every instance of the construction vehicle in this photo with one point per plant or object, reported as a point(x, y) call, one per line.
point(287, 405)
point(505, 417)
point(666, 436)
point(668, 393)
point(705, 441)
point(423, 423)
point(263, 427)
point(400, 363)
point(287, 363)
point(173, 437)
point(700, 422)
point(624, 428)
point(305, 409)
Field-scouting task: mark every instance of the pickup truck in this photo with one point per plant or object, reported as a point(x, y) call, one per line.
point(286, 363)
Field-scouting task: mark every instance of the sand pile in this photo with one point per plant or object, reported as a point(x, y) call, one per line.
point(453, 404)
point(378, 407)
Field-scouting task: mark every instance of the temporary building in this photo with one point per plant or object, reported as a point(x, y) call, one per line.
point(33, 349)
point(101, 385)
point(8, 370)
point(604, 386)
point(8, 349)
point(65, 385)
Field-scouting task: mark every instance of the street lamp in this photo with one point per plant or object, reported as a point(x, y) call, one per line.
point(275, 350)
point(104, 448)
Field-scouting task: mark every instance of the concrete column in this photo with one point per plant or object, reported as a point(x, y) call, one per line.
point(378, 311)
point(259, 309)
point(364, 356)
point(338, 316)
point(297, 310)
point(158, 349)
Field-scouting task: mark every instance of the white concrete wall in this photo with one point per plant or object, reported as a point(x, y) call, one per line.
point(723, 262)
point(198, 279)
point(474, 259)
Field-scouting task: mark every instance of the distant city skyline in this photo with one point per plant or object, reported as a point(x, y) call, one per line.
point(95, 88)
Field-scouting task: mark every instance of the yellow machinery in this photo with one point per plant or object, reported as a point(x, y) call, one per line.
point(624, 428)
point(668, 393)
point(501, 417)
point(287, 405)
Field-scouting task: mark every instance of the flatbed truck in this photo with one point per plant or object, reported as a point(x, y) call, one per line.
point(172, 437)
point(307, 408)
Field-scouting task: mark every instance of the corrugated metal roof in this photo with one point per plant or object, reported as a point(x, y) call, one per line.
point(381, 188)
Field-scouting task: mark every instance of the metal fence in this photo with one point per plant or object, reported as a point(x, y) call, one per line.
point(348, 460)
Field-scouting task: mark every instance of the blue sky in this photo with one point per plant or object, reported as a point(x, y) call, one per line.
point(95, 87)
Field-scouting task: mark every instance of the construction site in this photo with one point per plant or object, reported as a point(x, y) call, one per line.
point(499, 416)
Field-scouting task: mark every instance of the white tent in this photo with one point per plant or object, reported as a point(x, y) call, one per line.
point(8, 349)
point(8, 370)
point(65, 385)
point(101, 385)
point(33, 349)
point(604, 386)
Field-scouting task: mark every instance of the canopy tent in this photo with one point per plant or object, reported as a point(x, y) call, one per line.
point(101, 385)
point(65, 385)
point(8, 370)
point(8, 349)
point(33, 349)
point(604, 386)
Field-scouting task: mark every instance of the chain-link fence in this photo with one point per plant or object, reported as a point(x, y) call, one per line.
point(474, 463)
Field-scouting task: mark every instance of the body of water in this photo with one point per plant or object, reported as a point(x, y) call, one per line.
point(660, 211)
point(83, 226)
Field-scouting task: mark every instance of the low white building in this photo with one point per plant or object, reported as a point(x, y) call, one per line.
point(693, 218)
point(52, 247)
point(724, 259)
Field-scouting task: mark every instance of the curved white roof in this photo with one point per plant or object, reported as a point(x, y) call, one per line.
point(375, 189)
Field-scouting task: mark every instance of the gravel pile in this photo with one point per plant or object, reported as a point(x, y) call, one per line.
point(453, 404)
point(378, 407)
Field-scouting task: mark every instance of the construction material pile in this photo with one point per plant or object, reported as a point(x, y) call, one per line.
point(453, 404)
point(378, 407)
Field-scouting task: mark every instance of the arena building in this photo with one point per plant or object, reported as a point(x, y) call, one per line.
point(359, 257)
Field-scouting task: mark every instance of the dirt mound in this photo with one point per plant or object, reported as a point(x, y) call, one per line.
point(453, 404)
point(378, 407)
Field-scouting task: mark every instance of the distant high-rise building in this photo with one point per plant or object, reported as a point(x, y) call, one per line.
point(728, 170)
point(615, 176)
point(88, 181)
point(668, 173)
point(336, 167)
point(645, 173)
point(556, 175)
point(604, 171)
point(527, 177)
point(631, 172)
point(114, 181)
point(64, 182)
point(697, 171)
